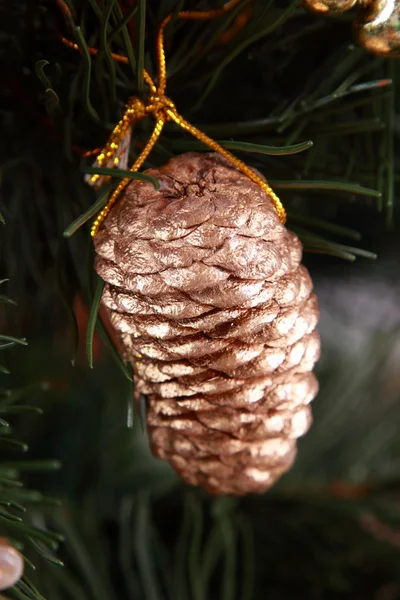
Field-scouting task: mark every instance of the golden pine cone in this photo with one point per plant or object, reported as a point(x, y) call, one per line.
point(206, 293)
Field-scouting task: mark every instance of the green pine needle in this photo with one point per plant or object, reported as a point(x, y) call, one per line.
point(188, 146)
point(12, 340)
point(94, 311)
point(88, 214)
point(336, 186)
point(122, 174)
point(141, 37)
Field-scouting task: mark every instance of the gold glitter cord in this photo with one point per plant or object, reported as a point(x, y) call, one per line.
point(135, 167)
point(193, 15)
point(163, 109)
point(134, 111)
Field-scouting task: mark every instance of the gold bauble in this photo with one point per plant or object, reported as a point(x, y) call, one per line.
point(328, 7)
point(378, 28)
point(11, 565)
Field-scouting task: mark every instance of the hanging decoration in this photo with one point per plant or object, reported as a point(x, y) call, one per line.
point(208, 302)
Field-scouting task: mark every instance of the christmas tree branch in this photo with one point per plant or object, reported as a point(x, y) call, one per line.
point(18, 503)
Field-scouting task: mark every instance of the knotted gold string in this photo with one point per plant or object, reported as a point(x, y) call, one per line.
point(163, 109)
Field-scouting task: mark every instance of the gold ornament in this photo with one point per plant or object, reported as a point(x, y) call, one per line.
point(328, 7)
point(11, 565)
point(378, 28)
point(209, 302)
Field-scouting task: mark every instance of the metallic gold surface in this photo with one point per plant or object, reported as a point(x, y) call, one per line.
point(378, 28)
point(328, 7)
point(207, 297)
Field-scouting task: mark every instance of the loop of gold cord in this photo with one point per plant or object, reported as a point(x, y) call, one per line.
point(163, 109)
point(135, 167)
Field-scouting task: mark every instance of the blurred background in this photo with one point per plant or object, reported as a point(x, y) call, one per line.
point(75, 462)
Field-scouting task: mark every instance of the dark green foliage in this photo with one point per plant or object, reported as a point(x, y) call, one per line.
point(292, 96)
point(20, 507)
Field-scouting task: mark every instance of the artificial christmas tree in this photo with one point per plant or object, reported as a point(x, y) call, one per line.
point(295, 100)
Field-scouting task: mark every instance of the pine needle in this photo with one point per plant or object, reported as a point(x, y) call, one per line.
point(94, 311)
point(337, 186)
point(122, 174)
point(141, 36)
point(244, 147)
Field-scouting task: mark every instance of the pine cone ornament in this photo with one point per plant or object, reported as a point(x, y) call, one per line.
point(209, 302)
